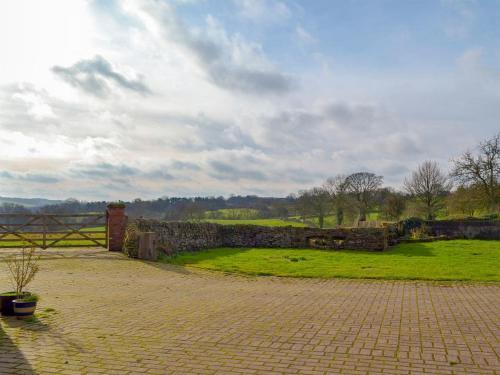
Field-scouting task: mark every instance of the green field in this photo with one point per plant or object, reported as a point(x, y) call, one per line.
point(233, 213)
point(263, 222)
point(472, 260)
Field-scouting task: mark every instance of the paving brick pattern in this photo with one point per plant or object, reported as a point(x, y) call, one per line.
point(114, 315)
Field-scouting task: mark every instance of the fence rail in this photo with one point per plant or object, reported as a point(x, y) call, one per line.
point(53, 230)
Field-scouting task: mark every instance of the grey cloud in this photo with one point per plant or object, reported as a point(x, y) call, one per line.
point(95, 75)
point(159, 174)
point(42, 178)
point(210, 134)
point(395, 169)
point(329, 127)
point(182, 165)
point(215, 56)
point(120, 172)
point(30, 177)
point(302, 176)
point(5, 174)
point(243, 79)
point(400, 144)
point(225, 171)
point(293, 130)
point(353, 116)
point(105, 170)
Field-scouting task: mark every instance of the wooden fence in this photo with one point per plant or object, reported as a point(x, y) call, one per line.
point(53, 230)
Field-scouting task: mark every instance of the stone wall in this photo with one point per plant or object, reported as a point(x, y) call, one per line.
point(472, 229)
point(180, 236)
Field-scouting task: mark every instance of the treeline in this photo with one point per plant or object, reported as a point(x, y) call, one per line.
point(170, 208)
point(427, 191)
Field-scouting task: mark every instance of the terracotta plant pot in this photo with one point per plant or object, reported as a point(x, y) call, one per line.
point(23, 309)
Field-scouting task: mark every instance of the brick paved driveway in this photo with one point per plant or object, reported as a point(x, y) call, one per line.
point(119, 316)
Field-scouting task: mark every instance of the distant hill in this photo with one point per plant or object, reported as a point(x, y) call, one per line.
point(30, 202)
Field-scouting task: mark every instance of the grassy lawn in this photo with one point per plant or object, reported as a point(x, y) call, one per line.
point(263, 222)
point(472, 260)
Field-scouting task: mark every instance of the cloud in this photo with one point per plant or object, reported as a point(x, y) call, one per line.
point(37, 178)
point(40, 177)
point(238, 106)
point(352, 116)
point(304, 36)
point(226, 171)
point(182, 165)
point(320, 127)
point(229, 61)
point(105, 170)
point(264, 11)
point(471, 59)
point(95, 76)
point(37, 106)
point(462, 17)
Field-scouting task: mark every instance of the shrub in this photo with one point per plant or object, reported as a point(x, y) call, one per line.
point(32, 297)
point(22, 268)
point(131, 241)
point(491, 217)
point(408, 225)
point(419, 233)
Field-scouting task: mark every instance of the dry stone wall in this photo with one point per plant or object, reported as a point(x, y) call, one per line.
point(180, 236)
point(472, 229)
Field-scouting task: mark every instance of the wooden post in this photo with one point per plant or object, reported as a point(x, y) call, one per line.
point(117, 223)
point(44, 242)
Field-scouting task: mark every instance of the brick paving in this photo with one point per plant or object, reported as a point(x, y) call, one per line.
point(114, 315)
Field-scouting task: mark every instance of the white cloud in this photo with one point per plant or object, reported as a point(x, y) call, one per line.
point(304, 36)
point(229, 61)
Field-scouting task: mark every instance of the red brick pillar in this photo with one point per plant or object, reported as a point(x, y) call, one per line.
point(117, 223)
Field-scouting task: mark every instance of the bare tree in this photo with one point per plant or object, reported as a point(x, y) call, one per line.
point(393, 205)
point(482, 169)
point(318, 202)
point(337, 187)
point(427, 185)
point(193, 212)
point(465, 200)
point(302, 204)
point(363, 187)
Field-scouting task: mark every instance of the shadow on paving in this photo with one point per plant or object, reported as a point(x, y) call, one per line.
point(12, 360)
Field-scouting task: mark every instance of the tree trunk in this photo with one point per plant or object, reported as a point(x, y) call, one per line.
point(340, 216)
point(362, 214)
point(321, 219)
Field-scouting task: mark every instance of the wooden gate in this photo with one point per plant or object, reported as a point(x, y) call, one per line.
point(53, 230)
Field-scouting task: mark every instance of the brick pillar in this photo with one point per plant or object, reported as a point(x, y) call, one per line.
point(117, 223)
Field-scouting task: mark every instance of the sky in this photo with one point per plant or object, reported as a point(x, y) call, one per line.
point(109, 100)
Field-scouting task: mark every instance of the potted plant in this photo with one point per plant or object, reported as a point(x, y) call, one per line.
point(6, 305)
point(23, 267)
point(25, 306)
